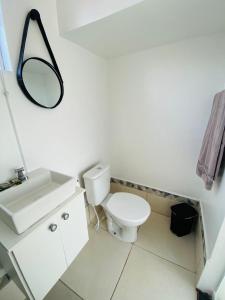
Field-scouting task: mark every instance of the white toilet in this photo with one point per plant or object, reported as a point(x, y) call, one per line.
point(124, 211)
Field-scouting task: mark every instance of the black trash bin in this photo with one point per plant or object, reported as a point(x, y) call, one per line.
point(183, 219)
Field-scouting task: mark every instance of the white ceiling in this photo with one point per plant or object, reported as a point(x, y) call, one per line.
point(150, 23)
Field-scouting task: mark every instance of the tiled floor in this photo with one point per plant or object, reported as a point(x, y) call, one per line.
point(147, 276)
point(156, 237)
point(158, 266)
point(95, 272)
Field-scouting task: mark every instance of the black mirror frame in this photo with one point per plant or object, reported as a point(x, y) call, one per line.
point(28, 95)
point(35, 16)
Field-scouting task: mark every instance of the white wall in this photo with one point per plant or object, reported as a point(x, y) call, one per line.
point(9, 152)
point(213, 211)
point(214, 269)
point(160, 105)
point(77, 13)
point(73, 136)
point(220, 294)
point(10, 157)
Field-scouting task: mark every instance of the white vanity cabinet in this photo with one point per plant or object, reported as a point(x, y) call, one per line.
point(73, 228)
point(43, 255)
point(40, 257)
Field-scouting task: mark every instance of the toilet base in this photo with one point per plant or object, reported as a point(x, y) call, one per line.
point(123, 233)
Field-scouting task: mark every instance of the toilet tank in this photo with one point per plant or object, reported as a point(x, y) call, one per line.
point(97, 184)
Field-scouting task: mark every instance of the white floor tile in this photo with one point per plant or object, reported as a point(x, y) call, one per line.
point(61, 292)
point(147, 276)
point(96, 270)
point(11, 292)
point(156, 237)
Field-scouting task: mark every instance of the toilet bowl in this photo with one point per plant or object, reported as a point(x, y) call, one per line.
point(124, 211)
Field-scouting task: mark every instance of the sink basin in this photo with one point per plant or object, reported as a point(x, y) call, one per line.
point(23, 205)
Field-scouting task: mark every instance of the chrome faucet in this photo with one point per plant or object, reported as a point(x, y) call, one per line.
point(21, 176)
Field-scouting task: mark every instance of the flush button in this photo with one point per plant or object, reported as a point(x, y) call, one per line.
point(65, 216)
point(53, 227)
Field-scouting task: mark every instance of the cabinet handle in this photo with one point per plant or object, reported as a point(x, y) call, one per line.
point(65, 216)
point(53, 227)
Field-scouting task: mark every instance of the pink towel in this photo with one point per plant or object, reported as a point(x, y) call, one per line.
point(213, 143)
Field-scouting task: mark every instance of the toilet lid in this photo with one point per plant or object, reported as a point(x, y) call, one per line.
point(128, 207)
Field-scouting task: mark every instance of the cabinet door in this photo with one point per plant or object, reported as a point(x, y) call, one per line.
point(73, 228)
point(41, 258)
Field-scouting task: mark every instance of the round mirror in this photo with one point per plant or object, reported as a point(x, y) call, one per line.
point(41, 82)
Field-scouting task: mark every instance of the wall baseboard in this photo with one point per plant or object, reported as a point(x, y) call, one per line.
point(155, 191)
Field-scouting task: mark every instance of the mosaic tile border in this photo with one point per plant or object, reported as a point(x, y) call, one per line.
point(156, 192)
point(202, 237)
point(169, 196)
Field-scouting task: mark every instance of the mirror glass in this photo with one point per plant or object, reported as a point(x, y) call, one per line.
point(41, 82)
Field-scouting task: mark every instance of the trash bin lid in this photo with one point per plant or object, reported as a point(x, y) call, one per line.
point(184, 210)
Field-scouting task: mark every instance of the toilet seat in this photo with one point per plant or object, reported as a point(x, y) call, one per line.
point(128, 209)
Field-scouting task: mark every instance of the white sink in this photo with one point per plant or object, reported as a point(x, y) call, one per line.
point(23, 205)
